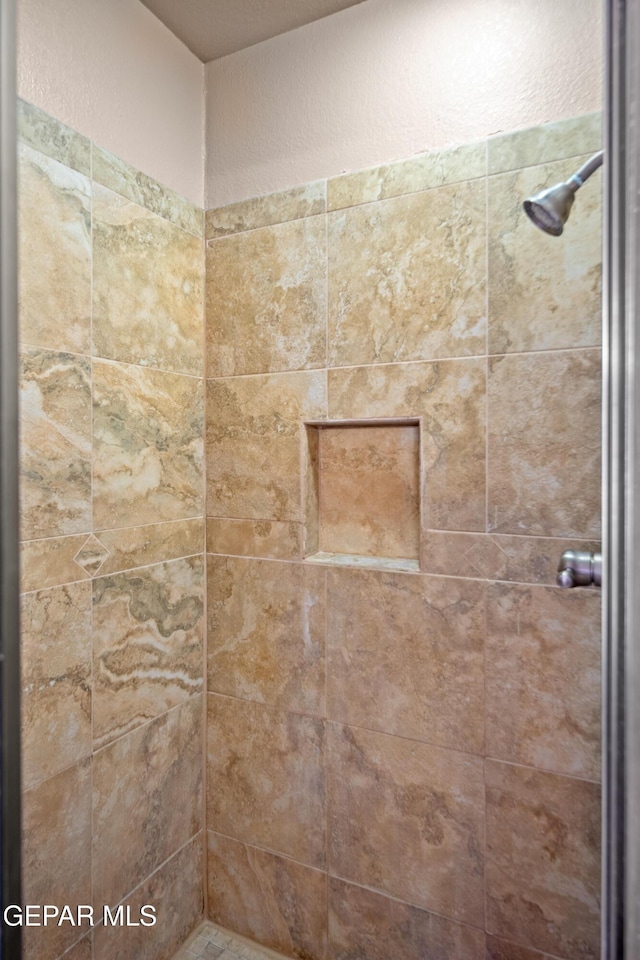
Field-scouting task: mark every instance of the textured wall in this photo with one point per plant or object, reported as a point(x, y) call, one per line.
point(411, 750)
point(111, 324)
point(388, 78)
point(114, 73)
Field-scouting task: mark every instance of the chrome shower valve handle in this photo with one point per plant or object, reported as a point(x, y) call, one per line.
point(579, 568)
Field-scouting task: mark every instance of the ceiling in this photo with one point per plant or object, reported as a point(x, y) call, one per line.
point(215, 28)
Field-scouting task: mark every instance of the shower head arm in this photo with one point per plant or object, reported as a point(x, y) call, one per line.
point(585, 171)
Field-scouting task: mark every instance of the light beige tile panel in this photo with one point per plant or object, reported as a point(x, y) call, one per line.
point(543, 864)
point(271, 900)
point(55, 666)
point(266, 632)
point(497, 557)
point(267, 299)
point(269, 539)
point(147, 800)
point(82, 950)
point(254, 441)
point(54, 236)
point(366, 924)
point(176, 892)
point(151, 543)
point(545, 143)
point(544, 292)
point(46, 134)
point(422, 172)
point(147, 629)
point(265, 768)
point(544, 444)
point(56, 855)
point(407, 819)
point(405, 655)
point(148, 288)
point(407, 277)
point(55, 451)
point(450, 396)
point(295, 204)
point(148, 445)
point(543, 678)
point(50, 563)
point(112, 172)
point(504, 950)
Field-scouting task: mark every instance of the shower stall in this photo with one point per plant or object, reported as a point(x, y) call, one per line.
point(319, 469)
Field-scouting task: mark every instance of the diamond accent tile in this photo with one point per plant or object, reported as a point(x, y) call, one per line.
point(91, 556)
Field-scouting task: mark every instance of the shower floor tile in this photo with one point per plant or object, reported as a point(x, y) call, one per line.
point(210, 942)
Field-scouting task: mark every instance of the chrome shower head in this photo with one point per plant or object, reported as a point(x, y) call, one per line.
point(549, 210)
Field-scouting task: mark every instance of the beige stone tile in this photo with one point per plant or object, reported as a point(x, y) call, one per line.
point(82, 950)
point(544, 444)
point(44, 133)
point(369, 490)
point(147, 644)
point(503, 950)
point(151, 543)
point(91, 555)
point(304, 201)
point(267, 772)
point(54, 234)
point(176, 892)
point(112, 172)
point(267, 299)
point(276, 902)
point(496, 556)
point(543, 868)
point(407, 819)
point(423, 172)
point(549, 141)
point(55, 663)
point(254, 443)
point(148, 288)
point(56, 855)
point(366, 924)
point(407, 277)
point(148, 440)
point(544, 292)
point(269, 539)
point(55, 444)
point(543, 678)
point(405, 655)
point(266, 629)
point(147, 800)
point(450, 396)
point(50, 563)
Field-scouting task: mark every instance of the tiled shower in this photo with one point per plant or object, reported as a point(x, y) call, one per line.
point(296, 474)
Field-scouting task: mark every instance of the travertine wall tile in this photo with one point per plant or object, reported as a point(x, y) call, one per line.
point(279, 903)
point(56, 680)
point(55, 452)
point(550, 141)
point(543, 871)
point(266, 632)
point(50, 562)
point(147, 799)
point(305, 201)
point(147, 629)
point(56, 855)
point(175, 890)
point(366, 924)
point(151, 543)
point(503, 950)
point(544, 292)
point(407, 277)
point(406, 656)
point(270, 539)
point(266, 771)
point(543, 678)
point(54, 234)
point(407, 819)
point(253, 437)
point(46, 134)
point(147, 429)
point(544, 444)
point(267, 299)
point(148, 290)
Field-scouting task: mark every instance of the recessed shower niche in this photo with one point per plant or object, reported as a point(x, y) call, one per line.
point(363, 492)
